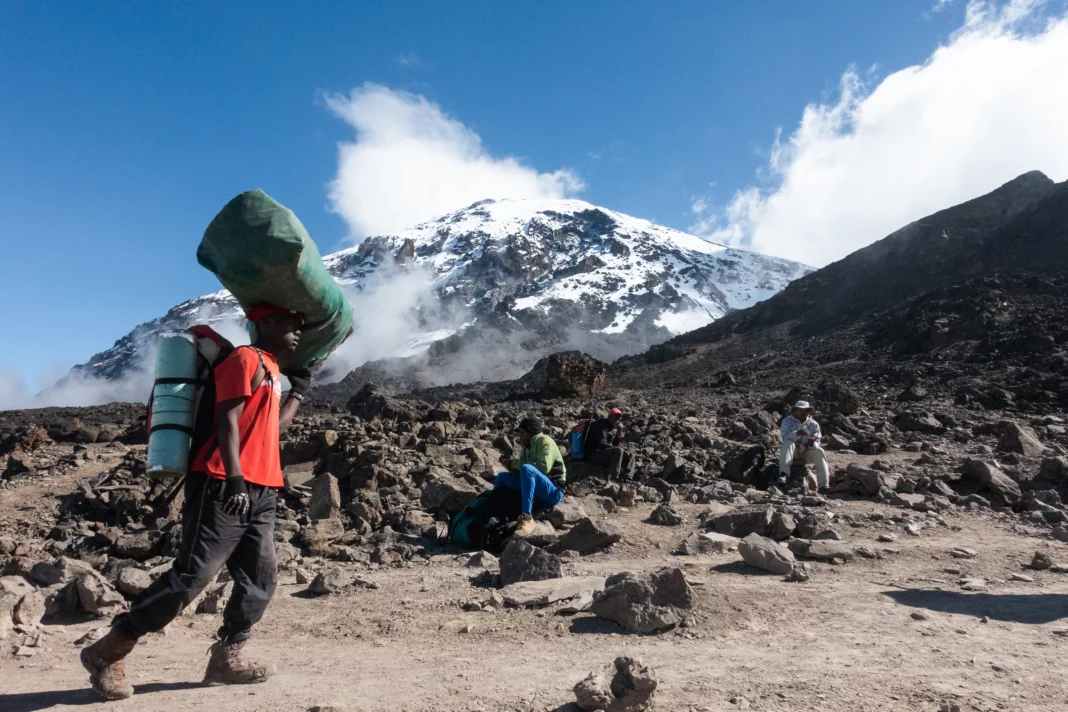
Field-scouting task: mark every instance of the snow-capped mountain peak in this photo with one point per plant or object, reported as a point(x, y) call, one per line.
point(532, 275)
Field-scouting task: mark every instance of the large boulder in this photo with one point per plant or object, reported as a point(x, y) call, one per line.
point(97, 596)
point(521, 561)
point(370, 403)
point(995, 480)
point(625, 686)
point(1019, 438)
point(918, 422)
point(589, 536)
point(62, 570)
point(570, 511)
point(528, 594)
point(326, 498)
point(138, 546)
point(645, 603)
point(767, 554)
point(742, 521)
point(443, 491)
point(132, 581)
point(573, 374)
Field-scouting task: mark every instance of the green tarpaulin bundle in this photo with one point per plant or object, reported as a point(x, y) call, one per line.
point(261, 253)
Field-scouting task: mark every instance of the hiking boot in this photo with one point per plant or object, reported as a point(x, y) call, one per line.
point(227, 668)
point(105, 661)
point(525, 526)
point(782, 480)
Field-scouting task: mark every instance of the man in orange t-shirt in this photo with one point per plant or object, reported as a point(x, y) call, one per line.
point(228, 518)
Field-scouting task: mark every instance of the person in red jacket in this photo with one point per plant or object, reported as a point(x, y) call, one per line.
point(228, 516)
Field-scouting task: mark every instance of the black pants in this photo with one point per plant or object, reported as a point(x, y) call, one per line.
point(211, 538)
point(613, 458)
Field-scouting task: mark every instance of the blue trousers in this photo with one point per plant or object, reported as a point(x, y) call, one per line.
point(531, 482)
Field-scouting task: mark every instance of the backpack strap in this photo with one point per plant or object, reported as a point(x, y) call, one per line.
point(262, 373)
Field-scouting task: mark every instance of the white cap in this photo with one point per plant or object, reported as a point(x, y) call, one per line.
point(802, 405)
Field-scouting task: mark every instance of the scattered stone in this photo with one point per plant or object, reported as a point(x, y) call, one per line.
point(665, 515)
point(645, 603)
point(527, 594)
point(913, 528)
point(97, 596)
point(973, 584)
point(887, 538)
point(576, 605)
point(521, 561)
point(625, 686)
point(920, 616)
point(961, 553)
point(482, 560)
point(798, 575)
point(132, 581)
point(767, 554)
point(332, 580)
point(704, 543)
point(1022, 577)
point(304, 577)
point(1040, 561)
point(588, 536)
point(215, 601)
point(822, 549)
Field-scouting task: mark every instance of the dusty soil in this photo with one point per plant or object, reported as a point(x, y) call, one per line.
point(846, 640)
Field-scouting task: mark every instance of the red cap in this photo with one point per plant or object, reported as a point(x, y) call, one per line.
point(616, 411)
point(263, 310)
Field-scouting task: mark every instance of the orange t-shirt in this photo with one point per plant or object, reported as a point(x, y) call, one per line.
point(258, 425)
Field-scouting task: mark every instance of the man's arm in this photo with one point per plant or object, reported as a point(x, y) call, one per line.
point(285, 415)
point(299, 383)
point(541, 455)
point(814, 432)
point(789, 431)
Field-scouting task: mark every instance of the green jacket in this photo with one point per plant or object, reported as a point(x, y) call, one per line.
point(543, 454)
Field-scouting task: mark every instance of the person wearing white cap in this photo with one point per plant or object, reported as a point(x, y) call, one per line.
point(801, 436)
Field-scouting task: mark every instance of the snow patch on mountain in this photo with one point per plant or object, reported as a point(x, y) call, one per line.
point(507, 281)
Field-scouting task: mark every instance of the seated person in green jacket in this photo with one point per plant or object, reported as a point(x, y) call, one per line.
point(538, 473)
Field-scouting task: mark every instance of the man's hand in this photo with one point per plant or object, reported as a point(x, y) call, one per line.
point(299, 380)
point(802, 433)
point(235, 498)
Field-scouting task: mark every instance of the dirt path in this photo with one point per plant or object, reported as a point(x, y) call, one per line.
point(846, 640)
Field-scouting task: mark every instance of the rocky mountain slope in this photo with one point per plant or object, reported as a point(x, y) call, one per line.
point(970, 297)
point(497, 285)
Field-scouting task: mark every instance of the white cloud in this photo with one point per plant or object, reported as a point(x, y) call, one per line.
point(411, 162)
point(990, 104)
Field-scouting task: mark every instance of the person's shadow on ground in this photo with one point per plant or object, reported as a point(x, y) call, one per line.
point(34, 701)
point(1031, 608)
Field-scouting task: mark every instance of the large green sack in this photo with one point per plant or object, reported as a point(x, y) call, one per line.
point(261, 253)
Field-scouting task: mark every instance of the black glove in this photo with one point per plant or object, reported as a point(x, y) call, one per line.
point(235, 498)
point(299, 380)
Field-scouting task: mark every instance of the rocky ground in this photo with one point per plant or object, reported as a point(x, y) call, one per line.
point(934, 577)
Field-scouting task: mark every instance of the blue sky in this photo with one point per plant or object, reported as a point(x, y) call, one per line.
point(126, 126)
